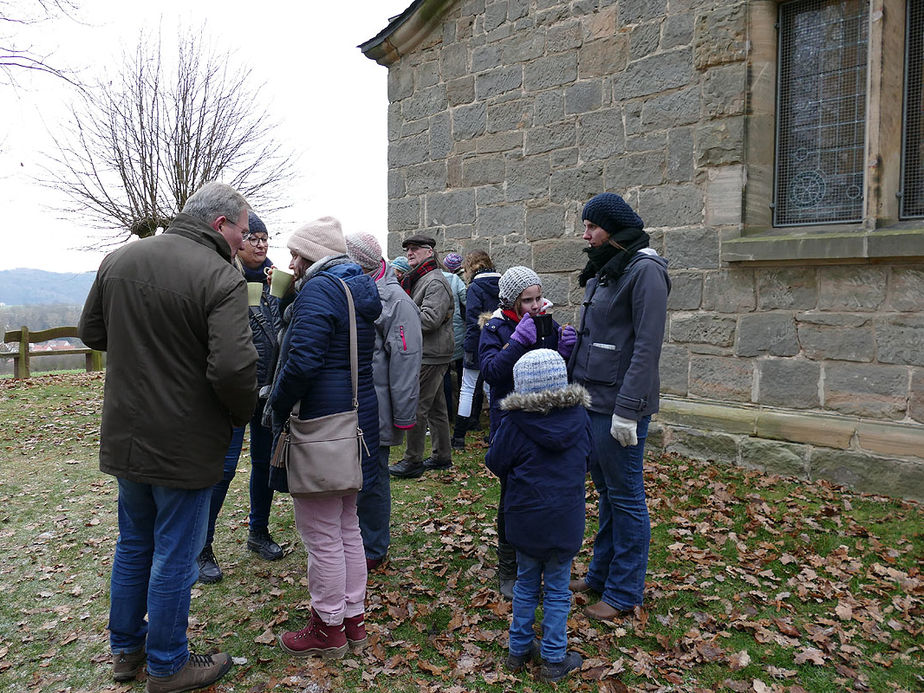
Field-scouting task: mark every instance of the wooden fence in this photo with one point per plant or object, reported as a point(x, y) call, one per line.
point(21, 358)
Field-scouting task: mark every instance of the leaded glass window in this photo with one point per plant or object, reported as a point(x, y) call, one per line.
point(912, 197)
point(821, 108)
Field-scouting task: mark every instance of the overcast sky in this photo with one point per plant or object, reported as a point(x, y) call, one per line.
point(331, 102)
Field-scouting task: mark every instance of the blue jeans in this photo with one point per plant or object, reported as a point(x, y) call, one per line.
point(620, 558)
point(261, 495)
point(531, 574)
point(373, 505)
point(161, 532)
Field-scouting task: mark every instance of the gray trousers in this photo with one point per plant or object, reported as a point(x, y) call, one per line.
point(431, 409)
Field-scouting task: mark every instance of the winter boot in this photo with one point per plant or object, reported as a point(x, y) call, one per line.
point(506, 569)
point(355, 627)
point(316, 639)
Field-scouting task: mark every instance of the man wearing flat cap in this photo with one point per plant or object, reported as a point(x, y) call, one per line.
point(429, 289)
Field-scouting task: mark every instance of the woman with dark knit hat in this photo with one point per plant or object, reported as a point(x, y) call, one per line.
point(314, 373)
point(616, 360)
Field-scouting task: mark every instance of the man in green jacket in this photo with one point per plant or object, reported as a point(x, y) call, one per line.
point(171, 313)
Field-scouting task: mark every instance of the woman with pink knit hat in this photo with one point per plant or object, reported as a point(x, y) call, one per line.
point(314, 375)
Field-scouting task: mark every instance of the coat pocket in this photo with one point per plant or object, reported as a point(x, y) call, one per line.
point(603, 363)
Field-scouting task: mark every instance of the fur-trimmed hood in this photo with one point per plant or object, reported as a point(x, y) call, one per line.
point(543, 402)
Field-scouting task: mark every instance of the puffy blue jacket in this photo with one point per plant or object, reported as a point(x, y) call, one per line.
point(481, 297)
point(497, 354)
point(540, 451)
point(314, 364)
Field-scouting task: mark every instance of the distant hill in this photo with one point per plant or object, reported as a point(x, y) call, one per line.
point(31, 287)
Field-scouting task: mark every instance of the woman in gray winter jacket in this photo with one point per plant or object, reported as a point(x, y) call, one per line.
point(616, 360)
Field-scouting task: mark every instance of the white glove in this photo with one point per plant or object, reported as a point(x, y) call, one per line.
point(623, 430)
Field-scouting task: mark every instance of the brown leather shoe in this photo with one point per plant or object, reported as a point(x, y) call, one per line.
point(580, 585)
point(601, 611)
point(198, 672)
point(127, 665)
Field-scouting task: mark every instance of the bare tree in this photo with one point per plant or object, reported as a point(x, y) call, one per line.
point(137, 148)
point(15, 17)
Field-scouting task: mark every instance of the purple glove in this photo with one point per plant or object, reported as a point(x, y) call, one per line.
point(566, 341)
point(525, 333)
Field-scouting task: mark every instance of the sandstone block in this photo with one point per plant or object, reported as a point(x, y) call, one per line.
point(452, 207)
point(851, 288)
point(767, 333)
point(869, 473)
point(906, 289)
point(686, 291)
point(674, 369)
point(900, 339)
point(656, 73)
point(558, 255)
point(773, 457)
point(874, 391)
point(721, 377)
point(498, 81)
point(720, 36)
point(501, 220)
point(695, 248)
point(729, 291)
point(550, 71)
point(786, 289)
point(702, 328)
point(789, 383)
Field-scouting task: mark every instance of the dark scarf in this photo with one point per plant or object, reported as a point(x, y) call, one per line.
point(411, 278)
point(608, 260)
point(257, 275)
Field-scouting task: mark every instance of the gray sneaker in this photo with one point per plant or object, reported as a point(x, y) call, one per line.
point(127, 665)
point(198, 672)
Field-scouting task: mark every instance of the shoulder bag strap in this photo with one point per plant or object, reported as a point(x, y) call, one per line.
point(354, 357)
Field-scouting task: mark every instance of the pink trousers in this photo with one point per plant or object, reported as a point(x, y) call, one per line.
point(329, 528)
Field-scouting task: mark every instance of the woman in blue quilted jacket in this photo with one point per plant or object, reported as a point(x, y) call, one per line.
point(314, 373)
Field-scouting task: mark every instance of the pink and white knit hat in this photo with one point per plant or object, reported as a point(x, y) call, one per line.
point(364, 249)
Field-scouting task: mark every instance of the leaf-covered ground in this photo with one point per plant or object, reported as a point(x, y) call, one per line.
point(755, 583)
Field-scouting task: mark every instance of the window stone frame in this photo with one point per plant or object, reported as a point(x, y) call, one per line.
point(880, 234)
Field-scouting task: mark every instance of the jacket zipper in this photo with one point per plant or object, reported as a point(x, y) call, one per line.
point(403, 342)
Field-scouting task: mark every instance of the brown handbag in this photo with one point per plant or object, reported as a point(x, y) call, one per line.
point(323, 456)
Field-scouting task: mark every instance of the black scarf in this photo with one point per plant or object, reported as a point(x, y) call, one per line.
point(411, 278)
point(610, 261)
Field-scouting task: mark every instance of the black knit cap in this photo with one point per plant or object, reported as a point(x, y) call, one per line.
point(255, 224)
point(611, 213)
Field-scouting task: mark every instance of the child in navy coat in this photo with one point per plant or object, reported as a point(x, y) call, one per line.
point(540, 450)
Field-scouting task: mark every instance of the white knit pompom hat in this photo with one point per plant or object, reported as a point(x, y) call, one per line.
point(317, 239)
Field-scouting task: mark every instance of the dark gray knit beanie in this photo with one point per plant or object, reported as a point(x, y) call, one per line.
point(611, 213)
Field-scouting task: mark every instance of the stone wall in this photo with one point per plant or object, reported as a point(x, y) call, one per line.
point(512, 113)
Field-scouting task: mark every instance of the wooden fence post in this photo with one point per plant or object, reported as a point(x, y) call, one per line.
point(21, 363)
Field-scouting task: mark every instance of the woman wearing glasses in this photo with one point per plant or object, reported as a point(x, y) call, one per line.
point(265, 322)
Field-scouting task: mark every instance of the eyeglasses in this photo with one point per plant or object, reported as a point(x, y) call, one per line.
point(256, 240)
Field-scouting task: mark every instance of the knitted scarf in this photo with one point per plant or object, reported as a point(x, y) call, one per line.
point(256, 275)
point(411, 278)
point(610, 261)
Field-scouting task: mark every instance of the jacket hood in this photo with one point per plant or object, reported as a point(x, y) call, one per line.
point(562, 410)
point(362, 286)
point(647, 254)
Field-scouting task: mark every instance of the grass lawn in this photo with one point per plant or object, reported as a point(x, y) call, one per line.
point(755, 583)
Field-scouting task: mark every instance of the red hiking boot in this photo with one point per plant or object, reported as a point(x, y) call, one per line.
point(316, 639)
point(355, 627)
